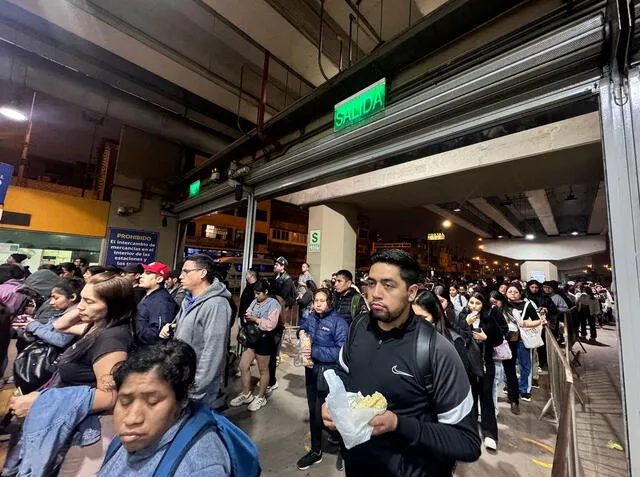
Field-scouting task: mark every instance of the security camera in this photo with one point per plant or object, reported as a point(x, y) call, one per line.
point(126, 211)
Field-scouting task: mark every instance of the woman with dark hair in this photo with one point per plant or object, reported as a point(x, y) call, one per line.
point(65, 296)
point(327, 331)
point(151, 408)
point(104, 320)
point(429, 306)
point(520, 313)
point(69, 270)
point(482, 321)
point(93, 270)
point(445, 300)
point(264, 313)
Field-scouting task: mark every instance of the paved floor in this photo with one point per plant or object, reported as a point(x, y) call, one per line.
point(281, 432)
point(602, 421)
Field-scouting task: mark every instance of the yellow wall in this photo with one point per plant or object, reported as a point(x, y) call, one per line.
point(58, 213)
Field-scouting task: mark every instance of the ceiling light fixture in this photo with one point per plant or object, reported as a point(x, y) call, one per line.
point(500, 236)
point(575, 232)
point(446, 223)
point(571, 196)
point(12, 113)
point(529, 236)
point(457, 209)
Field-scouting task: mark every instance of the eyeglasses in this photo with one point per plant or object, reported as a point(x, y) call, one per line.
point(189, 270)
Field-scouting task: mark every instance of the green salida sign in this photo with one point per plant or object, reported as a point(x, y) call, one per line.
point(360, 106)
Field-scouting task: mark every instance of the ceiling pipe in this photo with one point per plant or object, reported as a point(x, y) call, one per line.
point(23, 68)
point(320, 41)
point(356, 9)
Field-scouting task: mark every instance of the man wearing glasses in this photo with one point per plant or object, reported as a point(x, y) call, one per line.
point(203, 323)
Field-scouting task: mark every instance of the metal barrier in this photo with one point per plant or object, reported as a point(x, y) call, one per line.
point(562, 401)
point(571, 328)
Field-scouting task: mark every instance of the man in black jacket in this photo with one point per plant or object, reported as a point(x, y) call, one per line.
point(248, 295)
point(346, 300)
point(157, 308)
point(412, 438)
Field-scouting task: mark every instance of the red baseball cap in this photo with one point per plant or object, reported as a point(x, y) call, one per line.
point(158, 268)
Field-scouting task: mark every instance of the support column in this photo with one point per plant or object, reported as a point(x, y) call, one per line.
point(337, 225)
point(538, 270)
point(620, 120)
point(249, 231)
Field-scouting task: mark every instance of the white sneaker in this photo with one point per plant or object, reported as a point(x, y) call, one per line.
point(490, 443)
point(270, 389)
point(257, 403)
point(241, 399)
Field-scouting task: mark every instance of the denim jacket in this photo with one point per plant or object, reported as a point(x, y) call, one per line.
point(47, 333)
point(57, 415)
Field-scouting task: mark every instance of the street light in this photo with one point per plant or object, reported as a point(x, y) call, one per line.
point(12, 113)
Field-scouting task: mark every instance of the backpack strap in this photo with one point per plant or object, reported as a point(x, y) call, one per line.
point(114, 446)
point(425, 342)
point(188, 434)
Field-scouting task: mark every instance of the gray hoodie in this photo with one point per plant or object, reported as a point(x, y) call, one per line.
point(204, 324)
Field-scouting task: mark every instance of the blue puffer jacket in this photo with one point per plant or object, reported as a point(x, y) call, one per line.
point(328, 332)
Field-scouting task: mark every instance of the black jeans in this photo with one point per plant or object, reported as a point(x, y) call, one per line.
point(585, 316)
point(482, 389)
point(509, 366)
point(274, 357)
point(315, 399)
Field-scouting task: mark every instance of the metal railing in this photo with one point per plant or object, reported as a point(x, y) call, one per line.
point(562, 402)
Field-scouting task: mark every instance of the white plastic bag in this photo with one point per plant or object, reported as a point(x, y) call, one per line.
point(353, 424)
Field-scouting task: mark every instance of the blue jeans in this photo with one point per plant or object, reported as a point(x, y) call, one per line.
point(524, 360)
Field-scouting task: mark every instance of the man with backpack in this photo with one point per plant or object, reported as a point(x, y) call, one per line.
point(346, 299)
point(429, 423)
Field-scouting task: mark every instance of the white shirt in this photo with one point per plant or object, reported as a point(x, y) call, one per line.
point(458, 302)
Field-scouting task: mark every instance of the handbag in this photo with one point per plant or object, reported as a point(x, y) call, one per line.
point(502, 352)
point(531, 337)
point(249, 335)
point(35, 365)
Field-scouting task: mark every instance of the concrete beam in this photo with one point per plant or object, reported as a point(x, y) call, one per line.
point(457, 220)
point(560, 136)
point(598, 223)
point(552, 249)
point(81, 23)
point(496, 215)
point(265, 25)
point(541, 206)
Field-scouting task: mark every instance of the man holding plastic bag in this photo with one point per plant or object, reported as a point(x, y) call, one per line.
point(427, 423)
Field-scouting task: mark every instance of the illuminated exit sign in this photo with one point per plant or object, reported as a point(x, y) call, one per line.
point(360, 106)
point(194, 188)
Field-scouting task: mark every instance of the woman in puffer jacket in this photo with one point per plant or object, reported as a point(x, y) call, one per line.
point(328, 332)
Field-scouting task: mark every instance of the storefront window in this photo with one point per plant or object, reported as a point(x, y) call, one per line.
point(42, 248)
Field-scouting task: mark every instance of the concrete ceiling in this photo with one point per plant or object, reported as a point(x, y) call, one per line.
point(488, 187)
point(203, 45)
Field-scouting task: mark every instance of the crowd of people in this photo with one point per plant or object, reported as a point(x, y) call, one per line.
point(143, 353)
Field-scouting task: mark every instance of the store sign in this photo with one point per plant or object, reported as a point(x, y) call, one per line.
point(360, 106)
point(314, 241)
point(435, 236)
point(194, 189)
point(6, 172)
point(125, 247)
